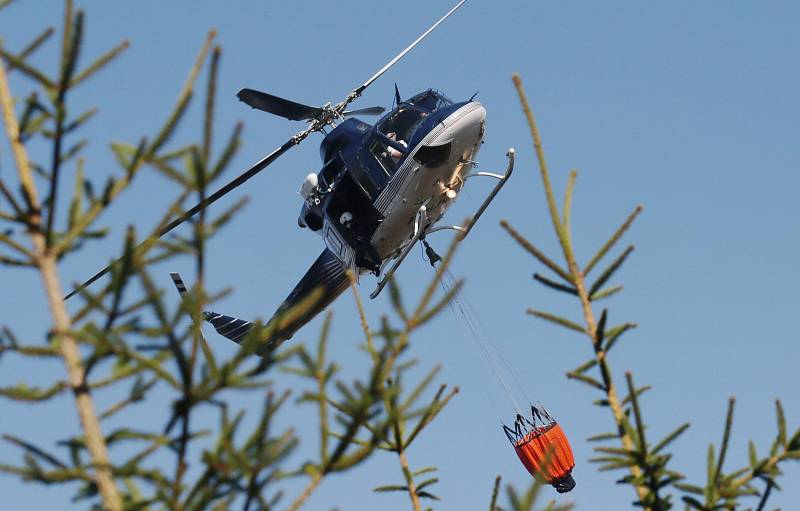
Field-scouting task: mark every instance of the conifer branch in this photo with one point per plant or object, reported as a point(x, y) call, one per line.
point(46, 263)
point(647, 465)
point(555, 285)
point(34, 45)
point(495, 491)
point(613, 240)
point(726, 435)
point(577, 278)
point(567, 212)
point(11, 200)
point(538, 254)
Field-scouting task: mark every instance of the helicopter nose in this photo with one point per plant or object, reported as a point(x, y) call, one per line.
point(456, 137)
point(470, 121)
point(482, 129)
point(481, 111)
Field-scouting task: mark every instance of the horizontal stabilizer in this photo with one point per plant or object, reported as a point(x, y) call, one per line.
point(229, 327)
point(232, 328)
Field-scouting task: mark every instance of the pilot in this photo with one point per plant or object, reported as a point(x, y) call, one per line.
point(346, 219)
point(394, 153)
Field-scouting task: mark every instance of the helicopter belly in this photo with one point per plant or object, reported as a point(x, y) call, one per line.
point(430, 175)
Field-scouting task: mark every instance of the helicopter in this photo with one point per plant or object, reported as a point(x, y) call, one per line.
point(382, 188)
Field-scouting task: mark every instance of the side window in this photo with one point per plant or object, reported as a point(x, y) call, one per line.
point(381, 151)
point(329, 173)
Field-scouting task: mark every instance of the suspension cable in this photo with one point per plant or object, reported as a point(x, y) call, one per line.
point(481, 339)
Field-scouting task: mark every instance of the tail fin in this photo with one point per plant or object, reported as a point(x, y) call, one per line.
point(327, 275)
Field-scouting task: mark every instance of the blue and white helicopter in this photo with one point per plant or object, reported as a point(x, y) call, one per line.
point(381, 189)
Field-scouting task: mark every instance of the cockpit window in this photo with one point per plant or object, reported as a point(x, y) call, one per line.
point(402, 123)
point(430, 100)
point(400, 126)
point(329, 172)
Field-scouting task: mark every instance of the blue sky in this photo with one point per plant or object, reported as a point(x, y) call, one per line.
point(689, 108)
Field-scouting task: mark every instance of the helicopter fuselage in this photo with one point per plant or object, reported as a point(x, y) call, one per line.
point(380, 190)
point(375, 178)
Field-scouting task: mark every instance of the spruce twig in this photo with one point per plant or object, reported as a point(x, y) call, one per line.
point(46, 264)
point(576, 277)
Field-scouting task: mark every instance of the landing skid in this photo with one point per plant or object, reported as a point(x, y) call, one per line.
point(422, 219)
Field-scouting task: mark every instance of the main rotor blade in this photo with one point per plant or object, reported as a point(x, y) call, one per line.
point(373, 110)
point(278, 106)
point(252, 171)
point(357, 92)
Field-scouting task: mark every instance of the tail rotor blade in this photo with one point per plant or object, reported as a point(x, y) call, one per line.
point(179, 285)
point(278, 106)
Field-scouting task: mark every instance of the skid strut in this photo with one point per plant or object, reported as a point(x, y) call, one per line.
point(422, 219)
point(419, 232)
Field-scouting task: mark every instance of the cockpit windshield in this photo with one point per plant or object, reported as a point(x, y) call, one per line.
point(402, 124)
point(430, 100)
point(405, 120)
point(393, 133)
point(396, 129)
